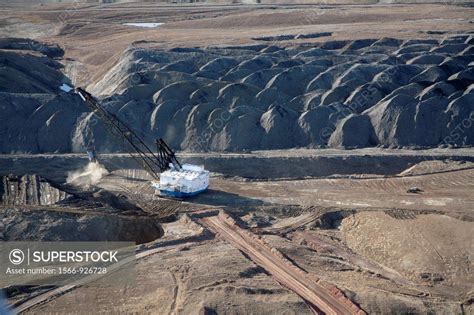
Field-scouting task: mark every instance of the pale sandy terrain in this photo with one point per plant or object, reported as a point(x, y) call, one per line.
point(75, 26)
point(385, 249)
point(451, 191)
point(279, 232)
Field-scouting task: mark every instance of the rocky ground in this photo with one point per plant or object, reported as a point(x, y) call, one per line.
point(388, 250)
point(301, 88)
point(349, 94)
point(277, 229)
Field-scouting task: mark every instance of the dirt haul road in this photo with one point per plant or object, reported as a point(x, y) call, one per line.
point(52, 294)
point(320, 298)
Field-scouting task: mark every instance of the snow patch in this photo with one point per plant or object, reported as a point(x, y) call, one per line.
point(147, 25)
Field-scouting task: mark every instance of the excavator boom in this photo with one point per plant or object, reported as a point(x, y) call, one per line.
point(153, 163)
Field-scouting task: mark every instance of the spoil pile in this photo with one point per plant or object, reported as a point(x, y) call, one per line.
point(350, 94)
point(36, 115)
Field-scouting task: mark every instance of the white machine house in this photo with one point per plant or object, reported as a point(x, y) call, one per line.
point(171, 178)
point(190, 180)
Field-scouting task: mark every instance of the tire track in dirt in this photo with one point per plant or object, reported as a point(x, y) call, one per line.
point(50, 295)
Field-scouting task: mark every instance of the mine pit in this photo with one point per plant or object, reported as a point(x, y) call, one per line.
point(46, 225)
point(332, 147)
point(30, 190)
point(38, 209)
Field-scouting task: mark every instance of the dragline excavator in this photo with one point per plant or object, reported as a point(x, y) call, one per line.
point(170, 177)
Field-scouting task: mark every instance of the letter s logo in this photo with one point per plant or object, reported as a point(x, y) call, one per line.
point(16, 256)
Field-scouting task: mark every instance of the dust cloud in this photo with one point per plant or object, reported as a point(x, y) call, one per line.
point(91, 174)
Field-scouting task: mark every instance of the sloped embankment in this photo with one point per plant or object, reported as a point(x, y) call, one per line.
point(34, 208)
point(350, 94)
